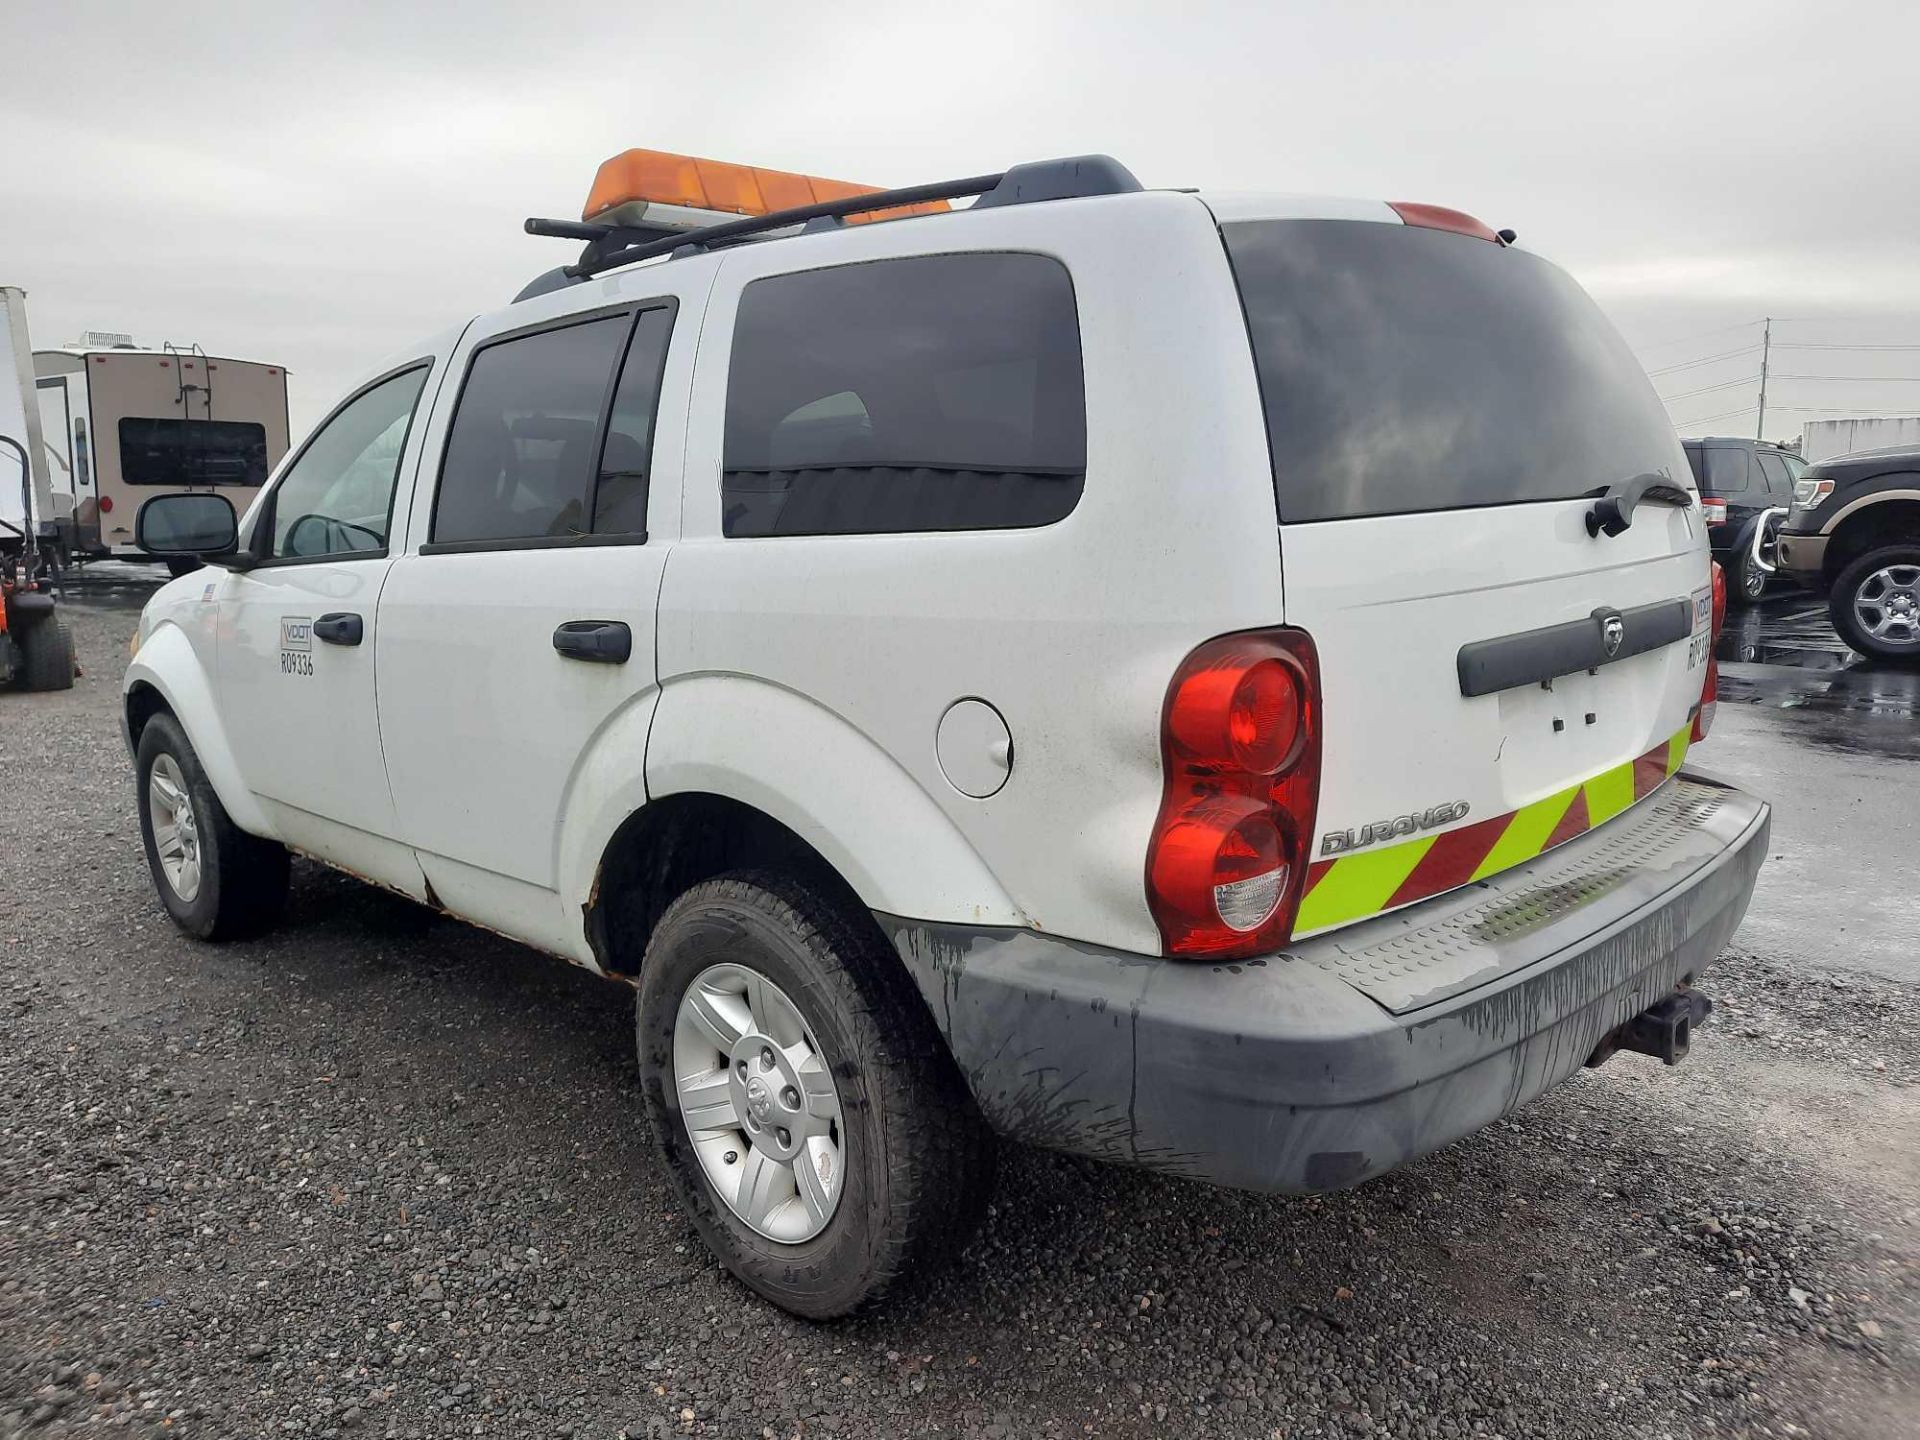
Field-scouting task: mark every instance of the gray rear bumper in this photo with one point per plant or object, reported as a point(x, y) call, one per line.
point(1287, 1073)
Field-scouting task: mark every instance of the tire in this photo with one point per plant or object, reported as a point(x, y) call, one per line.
point(239, 882)
point(46, 655)
point(1891, 575)
point(913, 1159)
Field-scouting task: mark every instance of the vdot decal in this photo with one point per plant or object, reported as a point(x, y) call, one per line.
point(296, 645)
point(1339, 842)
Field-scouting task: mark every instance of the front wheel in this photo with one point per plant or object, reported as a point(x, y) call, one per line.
point(1875, 603)
point(217, 881)
point(809, 1114)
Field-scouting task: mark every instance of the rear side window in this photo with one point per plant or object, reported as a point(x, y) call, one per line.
point(937, 392)
point(192, 452)
point(1406, 369)
point(520, 457)
point(1727, 471)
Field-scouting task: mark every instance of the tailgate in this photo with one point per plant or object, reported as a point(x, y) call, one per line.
point(1497, 678)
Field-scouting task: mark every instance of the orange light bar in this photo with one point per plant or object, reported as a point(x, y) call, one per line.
point(655, 177)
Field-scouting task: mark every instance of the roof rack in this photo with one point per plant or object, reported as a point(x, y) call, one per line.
point(611, 246)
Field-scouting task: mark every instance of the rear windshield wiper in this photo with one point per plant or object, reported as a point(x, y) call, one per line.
point(1613, 511)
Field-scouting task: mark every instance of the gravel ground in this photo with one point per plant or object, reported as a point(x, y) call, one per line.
point(382, 1174)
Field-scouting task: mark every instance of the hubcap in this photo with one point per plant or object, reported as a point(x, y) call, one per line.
point(1887, 605)
point(176, 832)
point(759, 1102)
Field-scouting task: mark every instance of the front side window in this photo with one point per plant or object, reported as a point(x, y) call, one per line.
point(337, 499)
point(178, 453)
point(937, 392)
point(1775, 469)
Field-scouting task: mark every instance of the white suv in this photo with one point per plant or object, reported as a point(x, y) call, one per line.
point(1200, 681)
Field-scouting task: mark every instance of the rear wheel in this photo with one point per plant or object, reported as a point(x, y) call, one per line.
point(810, 1116)
point(217, 881)
point(1748, 581)
point(46, 655)
point(1875, 603)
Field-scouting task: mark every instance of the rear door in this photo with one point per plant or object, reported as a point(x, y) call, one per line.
point(519, 630)
point(1442, 414)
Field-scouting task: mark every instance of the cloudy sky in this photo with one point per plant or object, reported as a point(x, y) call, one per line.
point(320, 185)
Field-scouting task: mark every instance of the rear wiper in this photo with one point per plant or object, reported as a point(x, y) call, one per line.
point(1613, 511)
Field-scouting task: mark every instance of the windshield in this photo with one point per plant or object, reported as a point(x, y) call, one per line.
point(1407, 369)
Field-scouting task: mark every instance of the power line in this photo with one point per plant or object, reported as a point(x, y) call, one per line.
point(1812, 345)
point(1865, 379)
point(1708, 389)
point(1705, 360)
point(1700, 335)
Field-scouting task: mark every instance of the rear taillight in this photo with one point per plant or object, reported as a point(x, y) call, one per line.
point(1710, 691)
point(1240, 743)
point(1714, 512)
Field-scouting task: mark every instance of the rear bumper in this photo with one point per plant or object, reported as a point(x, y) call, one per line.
point(1356, 1051)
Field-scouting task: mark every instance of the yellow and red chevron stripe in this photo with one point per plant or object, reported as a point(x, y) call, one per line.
point(1352, 887)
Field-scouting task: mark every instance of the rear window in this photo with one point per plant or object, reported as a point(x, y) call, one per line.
point(1406, 369)
point(192, 452)
point(935, 392)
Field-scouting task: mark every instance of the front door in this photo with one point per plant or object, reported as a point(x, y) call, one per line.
point(517, 639)
point(296, 655)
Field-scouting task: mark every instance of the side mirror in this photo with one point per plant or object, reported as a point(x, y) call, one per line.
point(201, 525)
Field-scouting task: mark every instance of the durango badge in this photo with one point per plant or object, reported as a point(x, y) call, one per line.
point(1339, 842)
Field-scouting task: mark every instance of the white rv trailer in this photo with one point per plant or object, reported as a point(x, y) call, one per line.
point(124, 425)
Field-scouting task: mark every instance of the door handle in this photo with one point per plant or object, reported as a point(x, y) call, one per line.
point(339, 628)
point(607, 642)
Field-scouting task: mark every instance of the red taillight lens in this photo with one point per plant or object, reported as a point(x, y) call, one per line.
point(1714, 512)
point(1710, 691)
point(1240, 741)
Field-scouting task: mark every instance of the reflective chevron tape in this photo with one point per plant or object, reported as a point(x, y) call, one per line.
point(1352, 887)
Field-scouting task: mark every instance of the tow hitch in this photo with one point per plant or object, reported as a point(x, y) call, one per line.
point(1664, 1030)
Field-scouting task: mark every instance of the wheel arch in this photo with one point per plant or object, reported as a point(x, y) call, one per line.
point(740, 773)
point(1889, 519)
point(166, 677)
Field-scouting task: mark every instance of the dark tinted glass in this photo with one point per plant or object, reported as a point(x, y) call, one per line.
point(192, 452)
point(337, 499)
point(620, 501)
point(1694, 462)
point(1727, 470)
point(1775, 469)
point(520, 457)
point(1408, 369)
point(939, 392)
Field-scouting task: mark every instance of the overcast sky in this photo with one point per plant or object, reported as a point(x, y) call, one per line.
point(321, 186)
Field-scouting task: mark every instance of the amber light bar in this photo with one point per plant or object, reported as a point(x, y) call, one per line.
point(634, 185)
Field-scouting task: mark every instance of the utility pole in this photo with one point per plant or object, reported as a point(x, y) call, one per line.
point(1766, 352)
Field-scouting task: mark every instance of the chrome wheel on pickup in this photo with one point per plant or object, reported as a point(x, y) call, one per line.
point(1875, 603)
point(759, 1103)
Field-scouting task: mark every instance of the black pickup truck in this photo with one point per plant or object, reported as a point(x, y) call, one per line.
point(1854, 534)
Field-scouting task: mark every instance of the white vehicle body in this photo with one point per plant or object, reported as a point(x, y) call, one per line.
point(972, 719)
point(122, 424)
